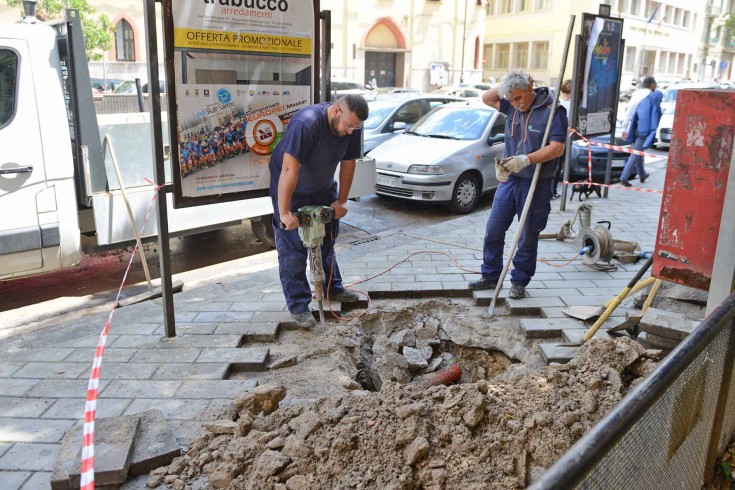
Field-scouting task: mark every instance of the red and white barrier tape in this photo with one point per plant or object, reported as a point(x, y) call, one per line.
point(90, 407)
point(589, 180)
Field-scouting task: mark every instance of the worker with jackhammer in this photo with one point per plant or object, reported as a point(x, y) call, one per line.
point(527, 115)
point(302, 169)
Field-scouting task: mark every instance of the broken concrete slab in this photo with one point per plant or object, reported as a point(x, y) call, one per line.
point(547, 328)
point(553, 352)
point(666, 324)
point(284, 362)
point(155, 444)
point(113, 449)
point(68, 459)
point(652, 341)
point(679, 292)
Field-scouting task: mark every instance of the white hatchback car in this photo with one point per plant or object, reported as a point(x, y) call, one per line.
point(447, 157)
point(668, 107)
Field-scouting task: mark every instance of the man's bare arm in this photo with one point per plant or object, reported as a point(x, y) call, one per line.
point(286, 185)
point(492, 98)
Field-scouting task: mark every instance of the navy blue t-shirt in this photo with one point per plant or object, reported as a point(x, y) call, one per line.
point(309, 139)
point(524, 131)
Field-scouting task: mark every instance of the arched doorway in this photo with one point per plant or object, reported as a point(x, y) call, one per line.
point(385, 47)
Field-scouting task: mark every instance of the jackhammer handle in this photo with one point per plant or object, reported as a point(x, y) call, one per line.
point(298, 215)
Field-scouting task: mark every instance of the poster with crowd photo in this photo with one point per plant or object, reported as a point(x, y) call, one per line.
point(600, 69)
point(241, 69)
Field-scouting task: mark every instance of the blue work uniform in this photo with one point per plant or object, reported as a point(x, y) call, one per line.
point(309, 139)
point(524, 132)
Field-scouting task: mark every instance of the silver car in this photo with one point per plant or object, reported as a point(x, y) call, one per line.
point(392, 114)
point(447, 157)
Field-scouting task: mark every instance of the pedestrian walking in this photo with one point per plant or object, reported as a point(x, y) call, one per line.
point(302, 167)
point(527, 114)
point(639, 127)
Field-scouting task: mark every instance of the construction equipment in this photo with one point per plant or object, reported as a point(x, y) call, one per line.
point(311, 231)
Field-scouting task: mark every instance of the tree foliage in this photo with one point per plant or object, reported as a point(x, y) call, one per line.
point(729, 27)
point(97, 28)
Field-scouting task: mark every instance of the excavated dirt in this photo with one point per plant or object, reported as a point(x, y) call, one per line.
point(504, 422)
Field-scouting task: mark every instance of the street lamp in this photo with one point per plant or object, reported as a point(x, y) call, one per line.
point(464, 41)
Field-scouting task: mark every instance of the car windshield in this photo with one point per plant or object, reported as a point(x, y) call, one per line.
point(379, 110)
point(670, 95)
point(462, 123)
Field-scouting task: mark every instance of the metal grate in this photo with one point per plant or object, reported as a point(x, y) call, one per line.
point(365, 240)
point(393, 191)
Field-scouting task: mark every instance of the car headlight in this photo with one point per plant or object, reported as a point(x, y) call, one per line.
point(425, 170)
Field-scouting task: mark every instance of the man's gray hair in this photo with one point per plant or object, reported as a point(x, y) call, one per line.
point(514, 79)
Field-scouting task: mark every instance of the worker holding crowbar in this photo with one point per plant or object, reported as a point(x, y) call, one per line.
point(302, 169)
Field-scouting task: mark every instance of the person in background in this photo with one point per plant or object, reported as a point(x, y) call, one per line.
point(302, 168)
point(527, 115)
point(639, 127)
point(565, 99)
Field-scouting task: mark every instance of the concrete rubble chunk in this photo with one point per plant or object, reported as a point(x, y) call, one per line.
point(284, 362)
point(219, 427)
point(404, 337)
point(665, 324)
point(113, 450)
point(415, 358)
point(155, 444)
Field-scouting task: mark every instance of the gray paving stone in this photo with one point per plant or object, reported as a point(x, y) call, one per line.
point(38, 481)
point(135, 342)
point(172, 409)
point(133, 329)
point(180, 371)
point(8, 368)
point(244, 359)
point(42, 355)
point(552, 352)
point(13, 480)
point(586, 276)
point(196, 341)
point(667, 324)
point(155, 444)
point(579, 300)
point(87, 341)
point(31, 430)
point(545, 293)
point(544, 328)
point(110, 355)
point(73, 408)
point(4, 446)
point(271, 317)
point(553, 312)
point(192, 328)
point(17, 386)
point(227, 388)
point(119, 370)
point(68, 458)
point(24, 456)
point(140, 389)
point(23, 407)
point(205, 306)
point(113, 449)
point(258, 306)
point(165, 355)
point(223, 316)
point(62, 388)
point(38, 370)
point(611, 283)
point(531, 306)
point(565, 284)
point(251, 332)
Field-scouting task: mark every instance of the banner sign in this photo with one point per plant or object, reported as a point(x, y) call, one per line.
point(602, 38)
point(241, 69)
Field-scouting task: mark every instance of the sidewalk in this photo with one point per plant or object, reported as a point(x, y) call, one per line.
point(44, 374)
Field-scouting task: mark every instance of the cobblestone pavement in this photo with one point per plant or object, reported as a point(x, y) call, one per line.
point(43, 373)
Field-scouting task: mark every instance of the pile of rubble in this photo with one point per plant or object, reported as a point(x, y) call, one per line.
point(500, 433)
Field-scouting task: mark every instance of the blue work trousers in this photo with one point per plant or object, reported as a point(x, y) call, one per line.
point(508, 204)
point(635, 162)
point(292, 255)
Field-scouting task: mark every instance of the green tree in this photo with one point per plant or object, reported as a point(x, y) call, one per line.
point(97, 28)
point(729, 27)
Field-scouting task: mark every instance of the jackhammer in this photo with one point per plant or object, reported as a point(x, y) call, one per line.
point(311, 231)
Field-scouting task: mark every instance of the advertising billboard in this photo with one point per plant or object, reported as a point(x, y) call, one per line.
point(600, 70)
point(240, 70)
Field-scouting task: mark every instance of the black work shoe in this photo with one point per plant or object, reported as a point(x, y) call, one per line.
point(643, 179)
point(304, 319)
point(516, 291)
point(345, 296)
point(481, 284)
point(625, 183)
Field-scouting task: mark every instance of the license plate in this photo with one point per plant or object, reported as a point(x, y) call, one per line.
point(389, 181)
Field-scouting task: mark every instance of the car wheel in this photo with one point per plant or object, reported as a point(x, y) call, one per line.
point(465, 195)
point(263, 229)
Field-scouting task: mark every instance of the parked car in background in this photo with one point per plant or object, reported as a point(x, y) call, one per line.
point(464, 92)
point(105, 85)
point(128, 87)
point(578, 165)
point(395, 113)
point(447, 157)
point(344, 86)
point(668, 106)
point(389, 91)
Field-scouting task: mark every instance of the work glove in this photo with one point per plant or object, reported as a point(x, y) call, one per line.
point(516, 164)
point(501, 173)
